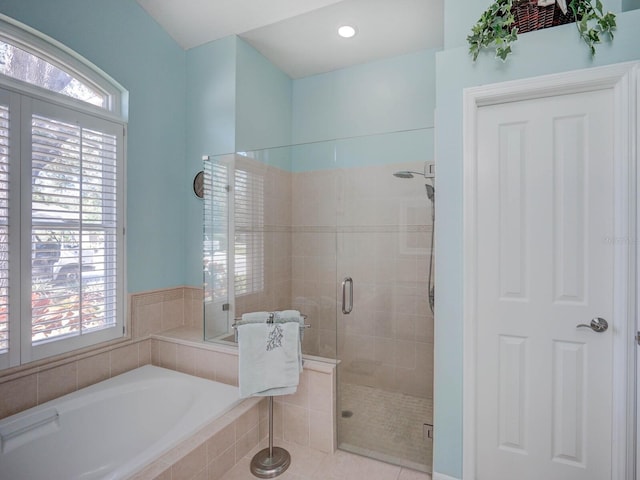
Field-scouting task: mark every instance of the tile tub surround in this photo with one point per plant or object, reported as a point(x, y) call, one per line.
point(213, 450)
point(29, 385)
point(306, 418)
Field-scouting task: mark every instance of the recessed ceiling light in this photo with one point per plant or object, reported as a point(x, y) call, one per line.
point(347, 31)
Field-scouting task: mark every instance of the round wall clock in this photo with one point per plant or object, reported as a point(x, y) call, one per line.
point(198, 184)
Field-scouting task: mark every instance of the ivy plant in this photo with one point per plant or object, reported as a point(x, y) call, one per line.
point(495, 28)
point(592, 22)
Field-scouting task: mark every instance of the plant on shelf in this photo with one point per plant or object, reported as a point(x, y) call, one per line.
point(497, 28)
point(592, 22)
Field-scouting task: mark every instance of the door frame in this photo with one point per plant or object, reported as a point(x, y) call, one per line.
point(622, 79)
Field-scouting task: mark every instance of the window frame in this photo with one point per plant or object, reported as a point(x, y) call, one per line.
point(54, 52)
point(24, 100)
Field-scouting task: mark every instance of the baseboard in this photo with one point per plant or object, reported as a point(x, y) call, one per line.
point(442, 476)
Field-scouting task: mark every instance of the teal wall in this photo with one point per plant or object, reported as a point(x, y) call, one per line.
point(263, 101)
point(378, 97)
point(120, 38)
point(380, 112)
point(211, 129)
point(211, 100)
point(543, 52)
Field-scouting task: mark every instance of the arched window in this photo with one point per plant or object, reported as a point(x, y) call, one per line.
point(62, 153)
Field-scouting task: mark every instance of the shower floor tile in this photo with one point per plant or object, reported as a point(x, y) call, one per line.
point(385, 425)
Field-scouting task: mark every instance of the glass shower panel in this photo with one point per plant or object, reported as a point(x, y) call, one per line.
point(274, 238)
point(216, 253)
point(385, 344)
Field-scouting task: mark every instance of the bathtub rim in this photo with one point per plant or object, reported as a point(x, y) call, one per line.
point(163, 455)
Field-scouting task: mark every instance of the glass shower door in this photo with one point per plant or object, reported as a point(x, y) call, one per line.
point(385, 341)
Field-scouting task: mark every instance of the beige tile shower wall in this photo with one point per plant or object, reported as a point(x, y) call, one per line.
point(315, 209)
point(149, 312)
point(314, 288)
point(380, 227)
point(306, 418)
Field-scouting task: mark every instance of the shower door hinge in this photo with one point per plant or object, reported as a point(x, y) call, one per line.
point(427, 431)
point(638, 338)
point(225, 307)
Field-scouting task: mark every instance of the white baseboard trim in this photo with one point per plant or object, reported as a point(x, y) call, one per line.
point(442, 476)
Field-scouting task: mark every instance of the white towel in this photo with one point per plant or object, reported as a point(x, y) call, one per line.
point(290, 316)
point(270, 358)
point(255, 317)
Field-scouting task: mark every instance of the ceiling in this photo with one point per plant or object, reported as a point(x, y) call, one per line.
point(300, 36)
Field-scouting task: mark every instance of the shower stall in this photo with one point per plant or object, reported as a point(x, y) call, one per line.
point(326, 228)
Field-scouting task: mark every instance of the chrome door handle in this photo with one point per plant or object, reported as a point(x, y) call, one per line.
point(597, 324)
point(347, 310)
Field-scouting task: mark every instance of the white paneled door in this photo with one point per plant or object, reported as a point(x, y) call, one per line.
point(545, 265)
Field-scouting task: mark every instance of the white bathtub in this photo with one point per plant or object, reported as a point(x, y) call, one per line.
point(111, 429)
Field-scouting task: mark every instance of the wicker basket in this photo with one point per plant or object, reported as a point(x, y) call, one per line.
point(529, 16)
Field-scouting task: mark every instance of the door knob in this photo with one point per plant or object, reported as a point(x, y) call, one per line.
point(597, 324)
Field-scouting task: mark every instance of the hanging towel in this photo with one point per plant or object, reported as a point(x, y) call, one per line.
point(270, 360)
point(255, 317)
point(290, 316)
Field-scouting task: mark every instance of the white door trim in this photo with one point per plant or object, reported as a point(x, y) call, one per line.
point(623, 80)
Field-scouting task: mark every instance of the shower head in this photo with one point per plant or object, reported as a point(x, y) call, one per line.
point(429, 172)
point(406, 174)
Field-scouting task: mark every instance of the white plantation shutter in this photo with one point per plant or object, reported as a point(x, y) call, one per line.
point(4, 229)
point(249, 232)
point(74, 217)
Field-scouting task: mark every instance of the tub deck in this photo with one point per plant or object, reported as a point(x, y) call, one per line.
point(116, 428)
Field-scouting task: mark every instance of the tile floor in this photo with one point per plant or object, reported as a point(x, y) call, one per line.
point(310, 464)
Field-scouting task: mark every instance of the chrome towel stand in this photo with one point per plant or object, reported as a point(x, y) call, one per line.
point(271, 461)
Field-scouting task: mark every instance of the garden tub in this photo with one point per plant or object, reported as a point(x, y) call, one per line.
point(112, 429)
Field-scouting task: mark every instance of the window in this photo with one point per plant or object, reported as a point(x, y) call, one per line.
point(61, 201)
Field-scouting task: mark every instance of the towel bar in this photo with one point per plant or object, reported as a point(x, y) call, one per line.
point(272, 461)
point(238, 319)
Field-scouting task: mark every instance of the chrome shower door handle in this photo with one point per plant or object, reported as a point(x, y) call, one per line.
point(597, 324)
point(347, 310)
